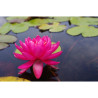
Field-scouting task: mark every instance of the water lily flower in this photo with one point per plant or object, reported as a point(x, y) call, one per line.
point(38, 51)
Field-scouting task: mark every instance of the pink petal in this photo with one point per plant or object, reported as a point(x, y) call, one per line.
point(28, 56)
point(26, 65)
point(24, 46)
point(38, 38)
point(52, 56)
point(48, 45)
point(32, 46)
point(38, 51)
point(38, 68)
point(19, 56)
point(34, 40)
point(50, 62)
point(29, 39)
point(55, 46)
point(26, 41)
point(44, 39)
point(22, 71)
point(18, 47)
point(48, 53)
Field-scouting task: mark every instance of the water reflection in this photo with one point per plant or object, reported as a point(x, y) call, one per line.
point(49, 74)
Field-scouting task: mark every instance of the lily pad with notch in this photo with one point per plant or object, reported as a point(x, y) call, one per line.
point(86, 31)
point(19, 28)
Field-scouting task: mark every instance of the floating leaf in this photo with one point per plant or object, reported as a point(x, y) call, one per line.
point(45, 27)
point(37, 22)
point(19, 25)
point(86, 31)
point(5, 28)
point(61, 19)
point(19, 28)
point(7, 38)
point(3, 45)
point(84, 21)
point(55, 27)
point(58, 49)
point(16, 19)
point(11, 78)
point(17, 51)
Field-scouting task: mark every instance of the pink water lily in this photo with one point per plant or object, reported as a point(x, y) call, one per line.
point(38, 51)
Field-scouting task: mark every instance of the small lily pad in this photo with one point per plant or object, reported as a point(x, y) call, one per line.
point(3, 45)
point(45, 27)
point(17, 51)
point(13, 79)
point(5, 28)
point(19, 28)
point(55, 27)
point(58, 49)
point(7, 38)
point(86, 31)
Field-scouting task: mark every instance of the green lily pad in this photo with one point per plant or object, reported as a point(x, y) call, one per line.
point(84, 21)
point(17, 51)
point(86, 31)
point(21, 25)
point(38, 22)
point(5, 28)
point(45, 27)
point(57, 50)
point(55, 27)
point(7, 38)
point(3, 45)
point(61, 19)
point(19, 28)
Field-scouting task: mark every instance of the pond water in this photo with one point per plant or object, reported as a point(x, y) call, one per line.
point(78, 61)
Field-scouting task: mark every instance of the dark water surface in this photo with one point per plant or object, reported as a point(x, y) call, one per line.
point(78, 61)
